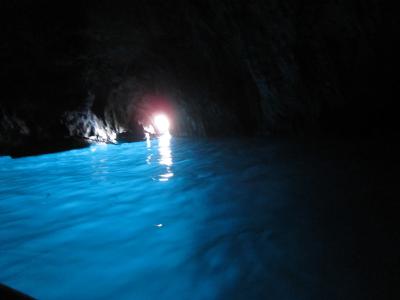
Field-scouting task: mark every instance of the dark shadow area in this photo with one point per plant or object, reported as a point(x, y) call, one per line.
point(9, 293)
point(34, 147)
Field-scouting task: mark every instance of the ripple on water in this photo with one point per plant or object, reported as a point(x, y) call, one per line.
point(186, 219)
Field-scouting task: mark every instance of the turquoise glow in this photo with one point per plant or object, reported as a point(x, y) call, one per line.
point(161, 219)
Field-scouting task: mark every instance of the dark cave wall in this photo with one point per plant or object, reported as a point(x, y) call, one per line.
point(222, 67)
point(41, 71)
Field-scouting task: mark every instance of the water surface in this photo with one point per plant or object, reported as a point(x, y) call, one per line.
point(175, 219)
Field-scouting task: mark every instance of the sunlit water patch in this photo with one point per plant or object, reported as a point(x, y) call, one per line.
point(162, 219)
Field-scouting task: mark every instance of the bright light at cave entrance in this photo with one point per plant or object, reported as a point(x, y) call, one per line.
point(162, 124)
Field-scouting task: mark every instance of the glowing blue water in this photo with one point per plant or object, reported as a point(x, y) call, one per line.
point(170, 219)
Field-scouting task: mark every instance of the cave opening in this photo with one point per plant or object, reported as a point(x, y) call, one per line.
point(161, 123)
point(146, 116)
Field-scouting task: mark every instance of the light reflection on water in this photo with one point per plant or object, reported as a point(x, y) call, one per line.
point(164, 148)
point(164, 158)
point(161, 219)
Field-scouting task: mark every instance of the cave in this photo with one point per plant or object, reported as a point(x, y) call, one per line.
point(199, 149)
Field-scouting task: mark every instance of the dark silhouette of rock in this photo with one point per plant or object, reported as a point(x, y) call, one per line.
point(9, 293)
point(135, 133)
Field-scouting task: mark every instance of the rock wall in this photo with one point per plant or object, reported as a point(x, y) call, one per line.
point(217, 67)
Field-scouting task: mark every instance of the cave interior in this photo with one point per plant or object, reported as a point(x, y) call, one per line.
point(323, 74)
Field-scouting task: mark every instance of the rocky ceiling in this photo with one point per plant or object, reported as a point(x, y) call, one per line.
point(88, 71)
